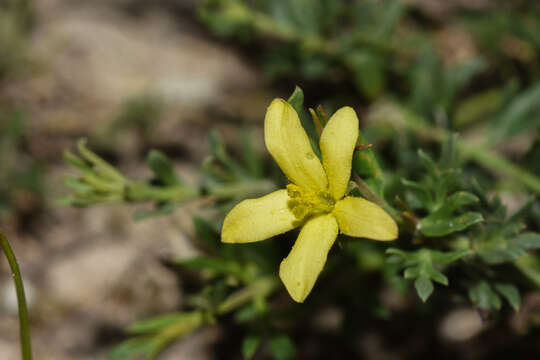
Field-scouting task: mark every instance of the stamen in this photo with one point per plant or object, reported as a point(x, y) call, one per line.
point(305, 203)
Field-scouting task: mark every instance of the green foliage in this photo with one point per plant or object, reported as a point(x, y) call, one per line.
point(519, 116)
point(311, 38)
point(154, 334)
point(250, 345)
point(282, 347)
point(488, 296)
point(451, 233)
point(434, 194)
point(229, 180)
point(501, 249)
point(224, 179)
point(483, 296)
point(413, 91)
point(413, 94)
point(422, 266)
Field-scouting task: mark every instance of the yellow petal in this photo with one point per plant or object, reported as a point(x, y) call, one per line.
point(361, 218)
point(288, 143)
point(338, 140)
point(258, 219)
point(300, 269)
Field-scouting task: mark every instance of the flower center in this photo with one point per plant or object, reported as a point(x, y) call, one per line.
point(304, 203)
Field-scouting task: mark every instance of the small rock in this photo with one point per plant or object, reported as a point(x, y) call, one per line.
point(461, 325)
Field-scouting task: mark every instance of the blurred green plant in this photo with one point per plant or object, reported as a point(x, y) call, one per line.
point(21, 176)
point(445, 191)
point(384, 47)
point(452, 233)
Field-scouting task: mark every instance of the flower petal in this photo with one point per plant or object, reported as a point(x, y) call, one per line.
point(361, 218)
point(288, 143)
point(258, 219)
point(300, 269)
point(338, 140)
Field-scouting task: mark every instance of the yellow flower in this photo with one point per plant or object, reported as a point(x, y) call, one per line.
point(315, 200)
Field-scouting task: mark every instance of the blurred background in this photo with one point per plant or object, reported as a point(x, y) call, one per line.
point(133, 75)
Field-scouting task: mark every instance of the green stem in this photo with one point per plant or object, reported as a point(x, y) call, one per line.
point(260, 288)
point(499, 164)
point(190, 322)
point(370, 195)
point(138, 192)
point(26, 347)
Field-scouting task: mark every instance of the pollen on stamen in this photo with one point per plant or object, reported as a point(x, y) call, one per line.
point(305, 203)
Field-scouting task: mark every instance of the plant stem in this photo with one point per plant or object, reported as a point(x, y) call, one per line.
point(26, 347)
point(370, 195)
point(499, 164)
point(261, 288)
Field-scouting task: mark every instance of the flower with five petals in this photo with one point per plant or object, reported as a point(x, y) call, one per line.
point(314, 201)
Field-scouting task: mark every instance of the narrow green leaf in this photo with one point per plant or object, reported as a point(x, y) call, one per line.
point(427, 161)
point(411, 273)
point(434, 226)
point(247, 313)
point(527, 241)
point(519, 116)
point(424, 287)
point(445, 258)
point(132, 348)
point(484, 297)
point(76, 161)
point(390, 19)
point(250, 345)
point(477, 108)
point(413, 185)
point(297, 99)
point(449, 153)
point(208, 263)
point(511, 293)
point(282, 347)
point(499, 250)
point(162, 168)
point(159, 210)
point(155, 324)
point(218, 149)
point(369, 72)
point(457, 76)
point(101, 166)
point(77, 185)
point(437, 276)
point(500, 255)
point(457, 200)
